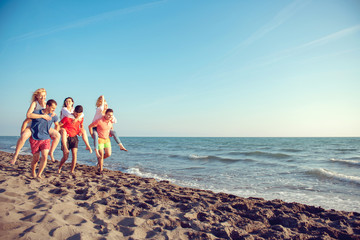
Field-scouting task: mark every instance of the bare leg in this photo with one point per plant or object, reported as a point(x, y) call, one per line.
point(20, 143)
point(95, 136)
point(101, 160)
point(86, 139)
point(55, 136)
point(107, 152)
point(43, 162)
point(63, 160)
point(25, 125)
point(34, 164)
point(63, 134)
point(74, 159)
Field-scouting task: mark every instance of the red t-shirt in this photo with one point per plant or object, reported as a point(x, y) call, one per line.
point(72, 127)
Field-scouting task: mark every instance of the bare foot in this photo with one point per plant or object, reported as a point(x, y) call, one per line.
point(122, 147)
point(33, 175)
point(59, 170)
point(99, 168)
point(13, 161)
point(89, 148)
point(52, 156)
point(39, 176)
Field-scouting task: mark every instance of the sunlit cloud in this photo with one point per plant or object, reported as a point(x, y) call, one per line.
point(85, 21)
point(279, 19)
point(291, 53)
point(331, 37)
point(312, 44)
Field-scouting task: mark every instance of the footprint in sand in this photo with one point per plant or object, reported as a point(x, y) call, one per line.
point(82, 196)
point(68, 232)
point(104, 189)
point(81, 184)
point(58, 191)
point(82, 191)
point(32, 216)
point(26, 231)
point(27, 215)
point(103, 201)
point(128, 227)
point(40, 206)
point(74, 219)
point(118, 196)
point(149, 215)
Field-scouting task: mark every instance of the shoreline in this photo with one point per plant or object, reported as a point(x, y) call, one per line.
point(116, 205)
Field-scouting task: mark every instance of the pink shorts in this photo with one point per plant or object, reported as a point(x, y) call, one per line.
point(39, 145)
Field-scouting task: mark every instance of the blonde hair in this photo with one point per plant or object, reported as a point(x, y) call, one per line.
point(38, 91)
point(99, 101)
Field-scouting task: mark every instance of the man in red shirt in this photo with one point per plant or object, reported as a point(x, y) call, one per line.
point(73, 128)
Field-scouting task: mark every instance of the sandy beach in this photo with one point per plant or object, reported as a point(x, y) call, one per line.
point(117, 205)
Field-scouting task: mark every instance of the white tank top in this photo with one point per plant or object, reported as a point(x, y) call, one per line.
point(38, 106)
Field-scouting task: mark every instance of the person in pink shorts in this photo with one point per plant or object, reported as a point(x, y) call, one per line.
point(40, 137)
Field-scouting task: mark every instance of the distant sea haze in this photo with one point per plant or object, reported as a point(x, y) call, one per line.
point(315, 171)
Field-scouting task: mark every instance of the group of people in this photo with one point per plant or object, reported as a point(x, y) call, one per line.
point(37, 126)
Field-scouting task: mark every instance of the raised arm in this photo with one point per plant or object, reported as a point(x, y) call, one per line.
point(102, 100)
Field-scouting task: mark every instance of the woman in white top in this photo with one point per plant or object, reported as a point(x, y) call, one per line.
point(101, 107)
point(67, 111)
point(38, 102)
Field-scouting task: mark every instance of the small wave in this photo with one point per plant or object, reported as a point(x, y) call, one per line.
point(266, 154)
point(140, 173)
point(194, 156)
point(236, 153)
point(24, 150)
point(352, 162)
point(216, 158)
point(192, 168)
point(346, 149)
point(292, 150)
point(323, 173)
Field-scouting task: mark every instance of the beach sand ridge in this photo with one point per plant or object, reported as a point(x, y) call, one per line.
point(116, 205)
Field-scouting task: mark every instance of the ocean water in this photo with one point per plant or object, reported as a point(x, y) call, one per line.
point(315, 171)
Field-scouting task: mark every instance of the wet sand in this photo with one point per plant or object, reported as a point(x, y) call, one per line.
point(116, 205)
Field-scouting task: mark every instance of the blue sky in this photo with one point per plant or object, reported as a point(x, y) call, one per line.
point(188, 68)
